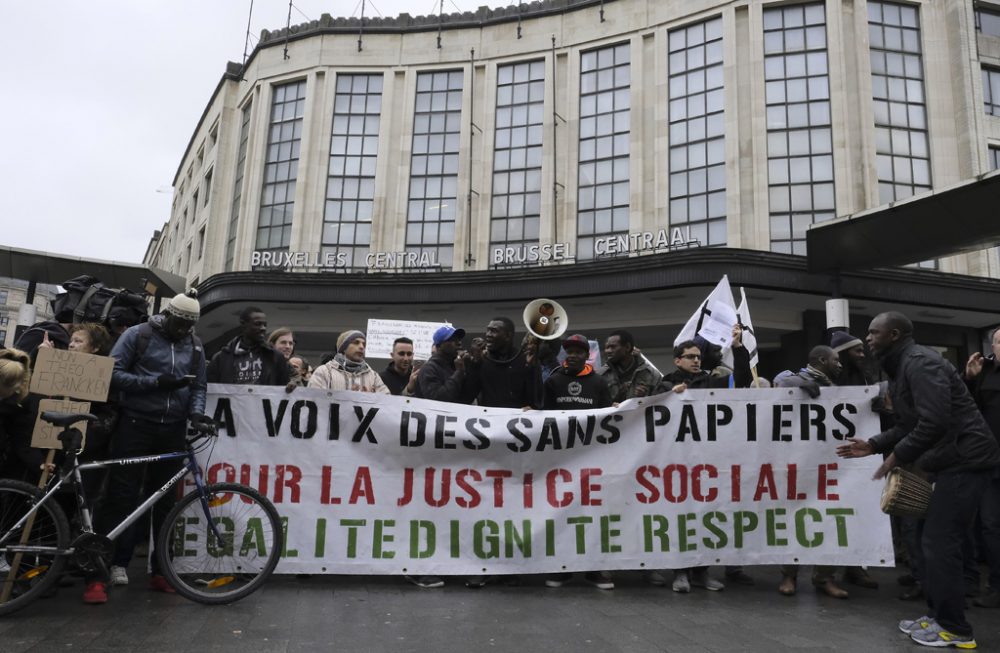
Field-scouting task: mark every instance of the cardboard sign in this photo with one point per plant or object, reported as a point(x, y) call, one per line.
point(381, 334)
point(45, 435)
point(64, 373)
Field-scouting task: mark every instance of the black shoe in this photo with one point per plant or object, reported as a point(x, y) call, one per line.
point(906, 580)
point(991, 600)
point(912, 593)
point(476, 582)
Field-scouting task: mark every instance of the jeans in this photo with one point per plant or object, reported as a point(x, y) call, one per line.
point(910, 531)
point(953, 506)
point(136, 437)
point(989, 515)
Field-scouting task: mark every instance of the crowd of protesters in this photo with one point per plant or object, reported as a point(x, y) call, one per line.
point(936, 420)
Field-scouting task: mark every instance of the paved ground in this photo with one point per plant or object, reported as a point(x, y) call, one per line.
point(386, 614)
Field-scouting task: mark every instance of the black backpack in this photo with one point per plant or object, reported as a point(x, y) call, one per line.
point(88, 300)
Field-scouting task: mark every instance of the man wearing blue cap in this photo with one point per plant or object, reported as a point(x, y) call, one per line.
point(442, 378)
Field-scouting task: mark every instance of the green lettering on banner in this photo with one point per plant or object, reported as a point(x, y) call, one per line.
point(800, 527)
point(381, 538)
point(286, 552)
point(744, 522)
point(683, 532)
point(550, 538)
point(659, 531)
point(226, 528)
point(486, 544)
point(721, 539)
point(773, 526)
point(838, 515)
point(416, 526)
point(352, 526)
point(581, 532)
point(320, 549)
point(455, 539)
point(513, 538)
point(255, 531)
point(608, 533)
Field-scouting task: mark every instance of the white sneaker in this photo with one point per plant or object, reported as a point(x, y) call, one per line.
point(700, 578)
point(119, 576)
point(681, 583)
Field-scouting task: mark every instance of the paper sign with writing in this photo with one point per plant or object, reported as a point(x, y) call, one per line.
point(381, 334)
point(64, 373)
point(45, 435)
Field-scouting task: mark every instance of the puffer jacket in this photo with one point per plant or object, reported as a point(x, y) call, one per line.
point(333, 376)
point(938, 425)
point(134, 376)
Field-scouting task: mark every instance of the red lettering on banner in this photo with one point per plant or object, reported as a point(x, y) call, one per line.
point(498, 475)
point(669, 472)
point(262, 476)
point(287, 476)
point(229, 473)
point(429, 487)
point(793, 493)
point(460, 480)
point(325, 495)
point(766, 484)
point(362, 487)
point(551, 479)
point(697, 472)
point(529, 490)
point(734, 482)
point(825, 481)
point(643, 476)
point(587, 488)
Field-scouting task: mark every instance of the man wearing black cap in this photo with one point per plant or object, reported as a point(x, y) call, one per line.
point(442, 378)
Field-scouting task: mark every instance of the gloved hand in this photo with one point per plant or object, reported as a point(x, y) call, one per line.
point(811, 388)
point(203, 423)
point(169, 382)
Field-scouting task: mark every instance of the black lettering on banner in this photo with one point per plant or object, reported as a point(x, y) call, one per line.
point(273, 421)
point(689, 424)
point(441, 431)
point(718, 415)
point(311, 411)
point(524, 440)
point(812, 416)
point(780, 422)
point(224, 415)
point(404, 429)
point(655, 416)
point(334, 422)
point(550, 435)
point(472, 426)
point(613, 432)
point(364, 428)
point(574, 431)
point(751, 422)
point(846, 422)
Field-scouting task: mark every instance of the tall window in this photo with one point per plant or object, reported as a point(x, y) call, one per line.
point(799, 142)
point(991, 91)
point(234, 212)
point(697, 141)
point(605, 106)
point(281, 167)
point(901, 139)
point(350, 186)
point(430, 216)
point(517, 157)
point(994, 158)
point(988, 22)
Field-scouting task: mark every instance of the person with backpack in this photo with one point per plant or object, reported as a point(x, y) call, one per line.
point(160, 375)
point(248, 358)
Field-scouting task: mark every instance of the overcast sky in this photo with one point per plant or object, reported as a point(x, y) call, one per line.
point(101, 97)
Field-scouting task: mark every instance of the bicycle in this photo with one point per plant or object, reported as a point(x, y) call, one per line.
point(218, 544)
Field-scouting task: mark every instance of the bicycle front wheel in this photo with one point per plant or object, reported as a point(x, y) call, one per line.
point(229, 561)
point(32, 555)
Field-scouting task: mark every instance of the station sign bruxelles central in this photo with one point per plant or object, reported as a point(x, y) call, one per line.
point(604, 246)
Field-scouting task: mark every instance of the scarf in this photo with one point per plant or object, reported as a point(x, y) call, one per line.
point(350, 366)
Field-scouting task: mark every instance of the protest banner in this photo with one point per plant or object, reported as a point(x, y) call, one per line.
point(45, 435)
point(376, 484)
point(64, 373)
point(381, 334)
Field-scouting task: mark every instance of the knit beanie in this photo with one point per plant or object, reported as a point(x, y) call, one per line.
point(842, 341)
point(185, 306)
point(346, 338)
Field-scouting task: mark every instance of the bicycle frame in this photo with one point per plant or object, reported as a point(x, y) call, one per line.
point(190, 467)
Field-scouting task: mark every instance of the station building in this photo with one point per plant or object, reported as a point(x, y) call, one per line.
point(619, 156)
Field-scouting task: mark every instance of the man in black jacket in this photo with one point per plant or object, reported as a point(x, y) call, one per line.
point(505, 378)
point(442, 378)
point(939, 428)
point(248, 359)
point(399, 375)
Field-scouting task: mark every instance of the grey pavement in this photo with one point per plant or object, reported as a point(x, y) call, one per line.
point(374, 614)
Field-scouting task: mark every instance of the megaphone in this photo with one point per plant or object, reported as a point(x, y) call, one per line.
point(545, 319)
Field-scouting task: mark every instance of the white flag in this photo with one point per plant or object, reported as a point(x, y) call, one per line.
point(714, 318)
point(749, 337)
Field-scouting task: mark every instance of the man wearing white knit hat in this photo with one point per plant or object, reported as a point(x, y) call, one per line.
point(160, 376)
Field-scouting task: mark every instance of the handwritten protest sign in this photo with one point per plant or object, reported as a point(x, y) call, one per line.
point(45, 435)
point(411, 486)
point(381, 334)
point(64, 373)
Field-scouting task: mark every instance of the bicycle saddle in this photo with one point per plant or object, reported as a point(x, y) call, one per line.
point(66, 419)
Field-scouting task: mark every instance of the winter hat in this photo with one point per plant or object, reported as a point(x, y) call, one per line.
point(576, 341)
point(842, 341)
point(346, 338)
point(185, 306)
point(446, 333)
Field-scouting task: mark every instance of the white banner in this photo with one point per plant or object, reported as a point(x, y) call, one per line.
point(381, 334)
point(376, 484)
